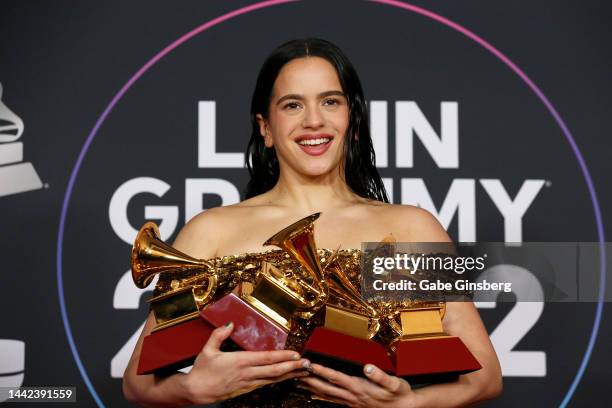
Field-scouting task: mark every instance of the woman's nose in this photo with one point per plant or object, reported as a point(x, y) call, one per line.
point(313, 118)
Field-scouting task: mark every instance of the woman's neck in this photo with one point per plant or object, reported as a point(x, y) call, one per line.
point(305, 194)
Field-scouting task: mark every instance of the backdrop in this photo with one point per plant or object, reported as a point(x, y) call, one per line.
point(489, 114)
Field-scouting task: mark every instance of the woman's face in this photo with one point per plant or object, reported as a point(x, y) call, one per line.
point(308, 117)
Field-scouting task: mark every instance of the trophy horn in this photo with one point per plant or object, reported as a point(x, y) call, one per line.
point(343, 290)
point(150, 256)
point(298, 241)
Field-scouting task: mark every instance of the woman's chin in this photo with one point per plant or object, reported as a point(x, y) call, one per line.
point(318, 171)
point(316, 168)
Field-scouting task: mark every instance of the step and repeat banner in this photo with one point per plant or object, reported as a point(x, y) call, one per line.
point(491, 116)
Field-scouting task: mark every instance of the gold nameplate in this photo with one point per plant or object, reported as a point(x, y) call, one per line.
point(174, 308)
point(421, 322)
point(347, 322)
point(270, 296)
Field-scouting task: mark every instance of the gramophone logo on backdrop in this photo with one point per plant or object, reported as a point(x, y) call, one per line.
point(16, 176)
point(12, 364)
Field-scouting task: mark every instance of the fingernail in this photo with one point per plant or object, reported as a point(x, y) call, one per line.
point(369, 369)
point(229, 324)
point(306, 364)
point(295, 357)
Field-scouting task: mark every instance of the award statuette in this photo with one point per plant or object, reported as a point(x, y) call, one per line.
point(416, 348)
point(176, 310)
point(344, 342)
point(261, 303)
point(16, 176)
point(263, 310)
point(422, 352)
point(349, 323)
point(419, 349)
point(270, 301)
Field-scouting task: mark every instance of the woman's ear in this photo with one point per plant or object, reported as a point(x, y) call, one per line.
point(264, 130)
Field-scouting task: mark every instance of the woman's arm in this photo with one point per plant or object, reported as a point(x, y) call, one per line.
point(149, 390)
point(461, 319)
point(215, 375)
point(383, 390)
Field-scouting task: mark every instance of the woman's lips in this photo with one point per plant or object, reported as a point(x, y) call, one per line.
point(316, 150)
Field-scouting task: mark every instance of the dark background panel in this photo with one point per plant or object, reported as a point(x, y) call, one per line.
point(62, 62)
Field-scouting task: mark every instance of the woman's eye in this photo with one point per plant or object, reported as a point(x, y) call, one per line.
point(292, 105)
point(331, 102)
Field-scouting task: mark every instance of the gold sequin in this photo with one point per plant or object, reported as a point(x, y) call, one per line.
point(244, 266)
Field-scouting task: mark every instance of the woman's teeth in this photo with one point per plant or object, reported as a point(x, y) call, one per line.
point(314, 142)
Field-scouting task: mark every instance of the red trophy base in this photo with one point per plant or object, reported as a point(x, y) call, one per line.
point(174, 347)
point(345, 353)
point(433, 359)
point(419, 361)
point(252, 330)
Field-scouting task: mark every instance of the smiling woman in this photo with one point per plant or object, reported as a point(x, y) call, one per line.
point(310, 151)
point(313, 122)
point(309, 90)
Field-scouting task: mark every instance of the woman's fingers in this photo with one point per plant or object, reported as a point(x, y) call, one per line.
point(380, 386)
point(265, 381)
point(262, 358)
point(326, 389)
point(316, 393)
point(276, 370)
point(336, 377)
point(390, 383)
point(217, 337)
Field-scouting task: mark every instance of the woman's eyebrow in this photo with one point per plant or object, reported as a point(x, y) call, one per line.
point(301, 97)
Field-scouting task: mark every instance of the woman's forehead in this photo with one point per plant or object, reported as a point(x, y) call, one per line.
point(306, 76)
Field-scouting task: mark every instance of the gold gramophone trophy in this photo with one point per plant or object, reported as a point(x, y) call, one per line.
point(419, 348)
point(344, 341)
point(421, 351)
point(414, 347)
point(194, 296)
point(264, 300)
point(185, 286)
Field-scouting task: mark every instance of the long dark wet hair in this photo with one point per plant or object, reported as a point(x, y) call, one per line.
point(360, 170)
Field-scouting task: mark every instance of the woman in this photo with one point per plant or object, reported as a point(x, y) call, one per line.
point(310, 151)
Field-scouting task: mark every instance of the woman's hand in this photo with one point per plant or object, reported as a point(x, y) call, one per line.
point(378, 389)
point(218, 375)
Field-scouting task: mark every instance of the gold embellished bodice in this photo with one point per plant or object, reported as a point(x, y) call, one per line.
point(244, 267)
point(286, 394)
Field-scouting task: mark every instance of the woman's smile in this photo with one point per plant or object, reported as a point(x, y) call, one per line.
point(308, 114)
point(314, 144)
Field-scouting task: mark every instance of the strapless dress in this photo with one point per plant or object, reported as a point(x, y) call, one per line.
point(284, 394)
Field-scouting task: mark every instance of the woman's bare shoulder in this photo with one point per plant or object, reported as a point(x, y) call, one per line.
point(200, 237)
point(196, 236)
point(219, 217)
point(202, 233)
point(410, 223)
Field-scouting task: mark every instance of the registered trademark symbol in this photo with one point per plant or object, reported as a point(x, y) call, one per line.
point(548, 183)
